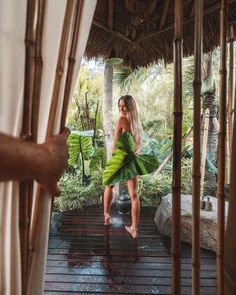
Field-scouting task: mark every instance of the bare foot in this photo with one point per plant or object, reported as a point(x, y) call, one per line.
point(132, 231)
point(107, 219)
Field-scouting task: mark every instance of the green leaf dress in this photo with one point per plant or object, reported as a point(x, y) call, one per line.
point(125, 164)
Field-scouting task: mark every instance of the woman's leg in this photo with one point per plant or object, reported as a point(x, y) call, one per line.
point(135, 207)
point(107, 198)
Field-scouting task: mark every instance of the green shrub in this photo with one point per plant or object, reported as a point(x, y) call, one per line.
point(153, 187)
point(76, 195)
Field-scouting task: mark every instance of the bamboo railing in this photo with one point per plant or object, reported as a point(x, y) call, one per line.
point(221, 151)
point(177, 151)
point(196, 175)
point(26, 187)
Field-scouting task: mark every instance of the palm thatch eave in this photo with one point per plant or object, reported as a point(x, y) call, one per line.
point(110, 31)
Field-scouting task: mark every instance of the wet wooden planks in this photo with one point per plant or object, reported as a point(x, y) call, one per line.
point(84, 257)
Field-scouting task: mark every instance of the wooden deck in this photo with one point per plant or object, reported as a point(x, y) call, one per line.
point(84, 257)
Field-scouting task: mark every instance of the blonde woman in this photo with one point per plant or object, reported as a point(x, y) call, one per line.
point(126, 163)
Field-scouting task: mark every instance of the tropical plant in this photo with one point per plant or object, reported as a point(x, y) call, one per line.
point(85, 112)
point(98, 161)
point(80, 149)
point(75, 195)
point(153, 187)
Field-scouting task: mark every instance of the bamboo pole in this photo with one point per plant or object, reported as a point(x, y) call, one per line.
point(60, 66)
point(231, 82)
point(230, 100)
point(59, 71)
point(221, 152)
point(196, 175)
point(177, 151)
point(204, 147)
point(26, 187)
point(38, 65)
point(72, 59)
point(167, 159)
point(38, 69)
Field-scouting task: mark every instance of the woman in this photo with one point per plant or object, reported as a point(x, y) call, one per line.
point(126, 163)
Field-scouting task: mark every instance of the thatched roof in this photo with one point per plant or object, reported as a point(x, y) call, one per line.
point(148, 37)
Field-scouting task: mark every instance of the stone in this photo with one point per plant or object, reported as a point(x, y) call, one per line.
point(208, 220)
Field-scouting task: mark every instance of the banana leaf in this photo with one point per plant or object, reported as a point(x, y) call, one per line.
point(125, 164)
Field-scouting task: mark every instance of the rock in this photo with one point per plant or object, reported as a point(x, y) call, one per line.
point(163, 220)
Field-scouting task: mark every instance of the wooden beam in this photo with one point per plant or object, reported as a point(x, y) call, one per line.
point(164, 14)
point(110, 14)
point(206, 11)
point(118, 34)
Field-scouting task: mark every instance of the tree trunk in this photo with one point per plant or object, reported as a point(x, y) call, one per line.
point(209, 101)
point(107, 109)
point(107, 116)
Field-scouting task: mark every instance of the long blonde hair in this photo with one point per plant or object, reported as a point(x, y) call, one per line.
point(132, 116)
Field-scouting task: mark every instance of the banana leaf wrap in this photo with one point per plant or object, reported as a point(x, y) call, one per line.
point(125, 164)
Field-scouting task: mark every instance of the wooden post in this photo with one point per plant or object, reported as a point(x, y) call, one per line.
point(221, 152)
point(204, 147)
point(177, 151)
point(196, 175)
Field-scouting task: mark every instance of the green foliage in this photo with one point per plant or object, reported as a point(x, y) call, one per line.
point(98, 161)
point(88, 92)
point(75, 195)
point(153, 187)
point(80, 148)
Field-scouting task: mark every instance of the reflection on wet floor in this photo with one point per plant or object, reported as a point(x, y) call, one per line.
point(85, 257)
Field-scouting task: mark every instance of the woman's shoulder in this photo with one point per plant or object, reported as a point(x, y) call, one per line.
point(123, 121)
